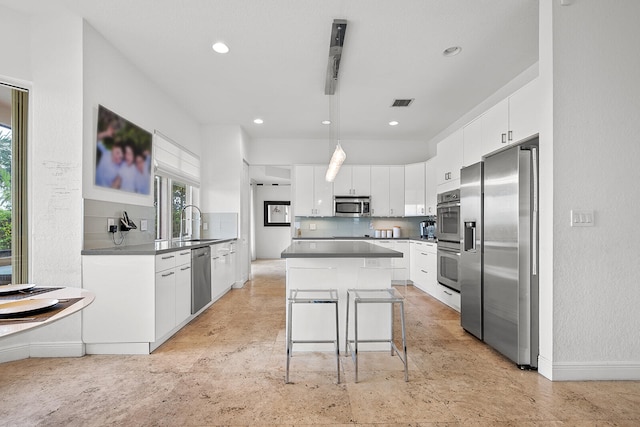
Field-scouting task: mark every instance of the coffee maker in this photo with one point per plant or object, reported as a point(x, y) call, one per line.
point(428, 229)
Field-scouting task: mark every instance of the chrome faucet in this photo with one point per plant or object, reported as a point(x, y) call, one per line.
point(182, 218)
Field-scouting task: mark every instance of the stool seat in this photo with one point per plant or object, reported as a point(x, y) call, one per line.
point(376, 296)
point(312, 296)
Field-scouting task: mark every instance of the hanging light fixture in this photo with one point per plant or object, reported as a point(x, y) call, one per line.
point(331, 89)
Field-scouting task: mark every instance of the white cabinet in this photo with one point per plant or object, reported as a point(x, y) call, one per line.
point(414, 189)
point(313, 195)
point(431, 186)
point(450, 160)
point(353, 181)
point(183, 286)
point(495, 127)
point(524, 112)
point(165, 302)
point(387, 191)
point(400, 265)
point(423, 266)
point(472, 142)
point(233, 265)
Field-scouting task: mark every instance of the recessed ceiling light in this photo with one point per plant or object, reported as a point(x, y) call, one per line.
point(258, 121)
point(326, 122)
point(393, 123)
point(220, 47)
point(452, 51)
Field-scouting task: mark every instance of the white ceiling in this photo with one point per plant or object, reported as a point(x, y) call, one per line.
point(279, 49)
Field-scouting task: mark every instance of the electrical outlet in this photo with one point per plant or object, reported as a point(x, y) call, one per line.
point(580, 218)
point(113, 228)
point(312, 226)
point(205, 226)
point(143, 225)
point(110, 222)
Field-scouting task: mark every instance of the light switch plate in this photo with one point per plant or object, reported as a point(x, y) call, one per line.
point(205, 226)
point(312, 226)
point(143, 225)
point(582, 218)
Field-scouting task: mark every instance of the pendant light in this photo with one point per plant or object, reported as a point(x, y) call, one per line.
point(339, 156)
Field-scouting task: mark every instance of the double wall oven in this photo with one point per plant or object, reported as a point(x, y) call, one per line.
point(449, 233)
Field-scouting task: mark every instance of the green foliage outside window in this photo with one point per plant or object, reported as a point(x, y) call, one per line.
point(5, 188)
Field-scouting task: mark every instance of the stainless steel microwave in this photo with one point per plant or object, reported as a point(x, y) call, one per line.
point(352, 207)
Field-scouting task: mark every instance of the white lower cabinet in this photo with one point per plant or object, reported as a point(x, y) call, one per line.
point(165, 302)
point(424, 273)
point(223, 268)
point(173, 291)
point(183, 292)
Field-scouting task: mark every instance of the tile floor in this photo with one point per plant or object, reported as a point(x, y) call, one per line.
point(227, 368)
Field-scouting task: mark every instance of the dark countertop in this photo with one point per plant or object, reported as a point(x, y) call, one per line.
point(332, 248)
point(338, 238)
point(154, 248)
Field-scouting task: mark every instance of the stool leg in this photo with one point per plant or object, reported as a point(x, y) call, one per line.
point(404, 343)
point(337, 344)
point(355, 334)
point(346, 335)
point(289, 343)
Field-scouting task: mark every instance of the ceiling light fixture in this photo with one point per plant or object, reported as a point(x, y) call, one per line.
point(452, 51)
point(220, 47)
point(258, 121)
point(394, 123)
point(326, 122)
point(338, 30)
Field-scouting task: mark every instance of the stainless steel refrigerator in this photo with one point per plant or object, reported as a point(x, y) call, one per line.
point(510, 266)
point(471, 189)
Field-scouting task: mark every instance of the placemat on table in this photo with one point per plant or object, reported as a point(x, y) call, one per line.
point(25, 294)
point(40, 316)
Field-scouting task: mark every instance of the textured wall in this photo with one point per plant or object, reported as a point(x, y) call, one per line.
point(596, 152)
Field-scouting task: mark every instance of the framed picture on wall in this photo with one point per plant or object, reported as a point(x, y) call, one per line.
point(277, 213)
point(123, 154)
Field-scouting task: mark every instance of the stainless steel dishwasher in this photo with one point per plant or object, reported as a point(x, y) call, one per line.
point(200, 278)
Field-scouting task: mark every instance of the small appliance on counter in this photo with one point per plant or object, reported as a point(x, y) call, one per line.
point(428, 229)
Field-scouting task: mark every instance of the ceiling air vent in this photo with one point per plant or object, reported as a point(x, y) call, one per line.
point(402, 102)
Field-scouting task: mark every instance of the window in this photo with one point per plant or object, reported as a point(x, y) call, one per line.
point(170, 198)
point(13, 186)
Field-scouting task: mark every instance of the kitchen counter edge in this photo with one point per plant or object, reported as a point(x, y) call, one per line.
point(373, 239)
point(154, 248)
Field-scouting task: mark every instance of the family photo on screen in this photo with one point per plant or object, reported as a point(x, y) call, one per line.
point(123, 154)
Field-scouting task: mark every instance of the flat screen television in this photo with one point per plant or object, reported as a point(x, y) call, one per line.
point(123, 154)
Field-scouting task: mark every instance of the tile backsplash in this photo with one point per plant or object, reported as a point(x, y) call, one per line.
point(355, 227)
point(97, 214)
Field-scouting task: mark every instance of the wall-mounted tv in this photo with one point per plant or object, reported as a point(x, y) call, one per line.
point(123, 154)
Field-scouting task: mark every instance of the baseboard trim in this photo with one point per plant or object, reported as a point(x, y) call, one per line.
point(598, 371)
point(118, 348)
point(41, 349)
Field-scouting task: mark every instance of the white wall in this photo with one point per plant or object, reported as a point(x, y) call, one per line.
point(270, 241)
point(595, 166)
point(112, 80)
point(314, 151)
point(15, 33)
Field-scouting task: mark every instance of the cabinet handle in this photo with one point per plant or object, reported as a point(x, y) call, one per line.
point(216, 257)
point(167, 257)
point(448, 293)
point(510, 135)
point(167, 274)
point(232, 252)
point(201, 255)
point(185, 253)
point(185, 268)
point(424, 254)
point(504, 138)
point(425, 272)
point(225, 254)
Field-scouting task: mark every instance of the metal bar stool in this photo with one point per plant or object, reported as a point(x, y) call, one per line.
point(376, 296)
point(312, 296)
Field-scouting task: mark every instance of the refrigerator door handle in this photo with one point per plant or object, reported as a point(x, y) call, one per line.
point(534, 216)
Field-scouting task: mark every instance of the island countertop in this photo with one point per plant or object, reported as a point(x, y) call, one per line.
point(337, 249)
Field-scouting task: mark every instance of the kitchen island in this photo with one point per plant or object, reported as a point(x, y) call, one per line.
point(339, 265)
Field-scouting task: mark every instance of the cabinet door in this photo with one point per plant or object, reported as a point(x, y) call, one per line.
point(396, 190)
point(342, 185)
point(472, 144)
point(183, 293)
point(323, 193)
point(165, 302)
point(524, 112)
point(495, 126)
point(303, 190)
point(380, 196)
point(414, 191)
point(361, 180)
point(431, 186)
point(450, 157)
point(219, 281)
point(402, 265)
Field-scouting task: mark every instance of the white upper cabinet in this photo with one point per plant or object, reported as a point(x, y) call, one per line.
point(450, 158)
point(414, 189)
point(524, 112)
point(431, 186)
point(313, 195)
point(387, 191)
point(396, 190)
point(353, 181)
point(472, 144)
point(495, 127)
